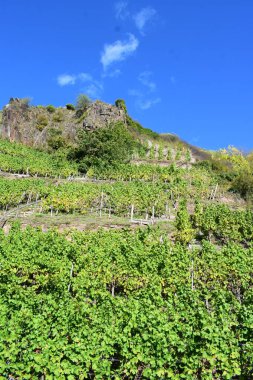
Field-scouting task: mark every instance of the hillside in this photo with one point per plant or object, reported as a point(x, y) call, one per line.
point(124, 254)
point(47, 127)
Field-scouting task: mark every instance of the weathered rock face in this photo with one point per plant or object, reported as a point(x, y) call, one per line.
point(11, 116)
point(36, 126)
point(101, 115)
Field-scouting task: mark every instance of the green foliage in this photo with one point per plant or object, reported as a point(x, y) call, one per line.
point(58, 116)
point(50, 108)
point(152, 152)
point(243, 184)
point(102, 304)
point(121, 104)
point(13, 192)
point(160, 153)
point(82, 104)
point(16, 158)
point(70, 107)
point(41, 122)
point(40, 127)
point(188, 155)
point(104, 146)
point(136, 127)
point(55, 139)
point(141, 172)
point(185, 232)
point(119, 196)
point(26, 102)
point(169, 155)
point(178, 154)
point(220, 223)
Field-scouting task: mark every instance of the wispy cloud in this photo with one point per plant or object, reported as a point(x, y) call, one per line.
point(118, 50)
point(121, 11)
point(145, 79)
point(71, 79)
point(92, 87)
point(85, 77)
point(146, 97)
point(144, 16)
point(143, 101)
point(145, 104)
point(112, 74)
point(66, 79)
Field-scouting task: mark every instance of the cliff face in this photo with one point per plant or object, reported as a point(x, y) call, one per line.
point(100, 114)
point(42, 126)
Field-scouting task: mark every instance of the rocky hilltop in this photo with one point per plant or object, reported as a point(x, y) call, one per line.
point(50, 128)
point(44, 126)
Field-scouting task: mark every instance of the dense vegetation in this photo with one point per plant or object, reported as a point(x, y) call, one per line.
point(14, 192)
point(18, 158)
point(103, 147)
point(151, 195)
point(172, 301)
point(104, 305)
point(233, 167)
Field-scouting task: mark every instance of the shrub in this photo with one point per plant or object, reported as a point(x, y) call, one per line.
point(26, 102)
point(58, 116)
point(137, 127)
point(160, 153)
point(70, 107)
point(185, 233)
point(40, 127)
point(83, 102)
point(50, 108)
point(120, 103)
point(243, 184)
point(55, 139)
point(41, 122)
point(169, 154)
point(104, 146)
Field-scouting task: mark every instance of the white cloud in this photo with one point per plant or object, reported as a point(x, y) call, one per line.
point(145, 99)
point(147, 103)
point(143, 17)
point(66, 79)
point(144, 78)
point(112, 74)
point(134, 92)
point(118, 51)
point(85, 77)
point(94, 89)
point(121, 11)
point(142, 101)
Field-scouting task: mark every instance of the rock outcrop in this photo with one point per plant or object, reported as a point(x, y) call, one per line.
point(100, 115)
point(41, 126)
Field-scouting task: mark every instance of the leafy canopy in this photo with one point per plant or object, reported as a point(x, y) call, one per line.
point(104, 146)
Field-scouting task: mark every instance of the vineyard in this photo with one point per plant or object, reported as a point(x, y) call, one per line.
point(146, 197)
point(17, 158)
point(118, 304)
point(85, 293)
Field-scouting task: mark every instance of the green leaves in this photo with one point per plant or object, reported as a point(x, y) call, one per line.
point(153, 319)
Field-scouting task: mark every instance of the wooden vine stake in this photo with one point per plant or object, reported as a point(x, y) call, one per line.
point(101, 204)
point(192, 275)
point(132, 212)
point(71, 275)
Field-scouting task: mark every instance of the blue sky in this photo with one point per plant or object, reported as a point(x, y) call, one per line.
point(182, 66)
